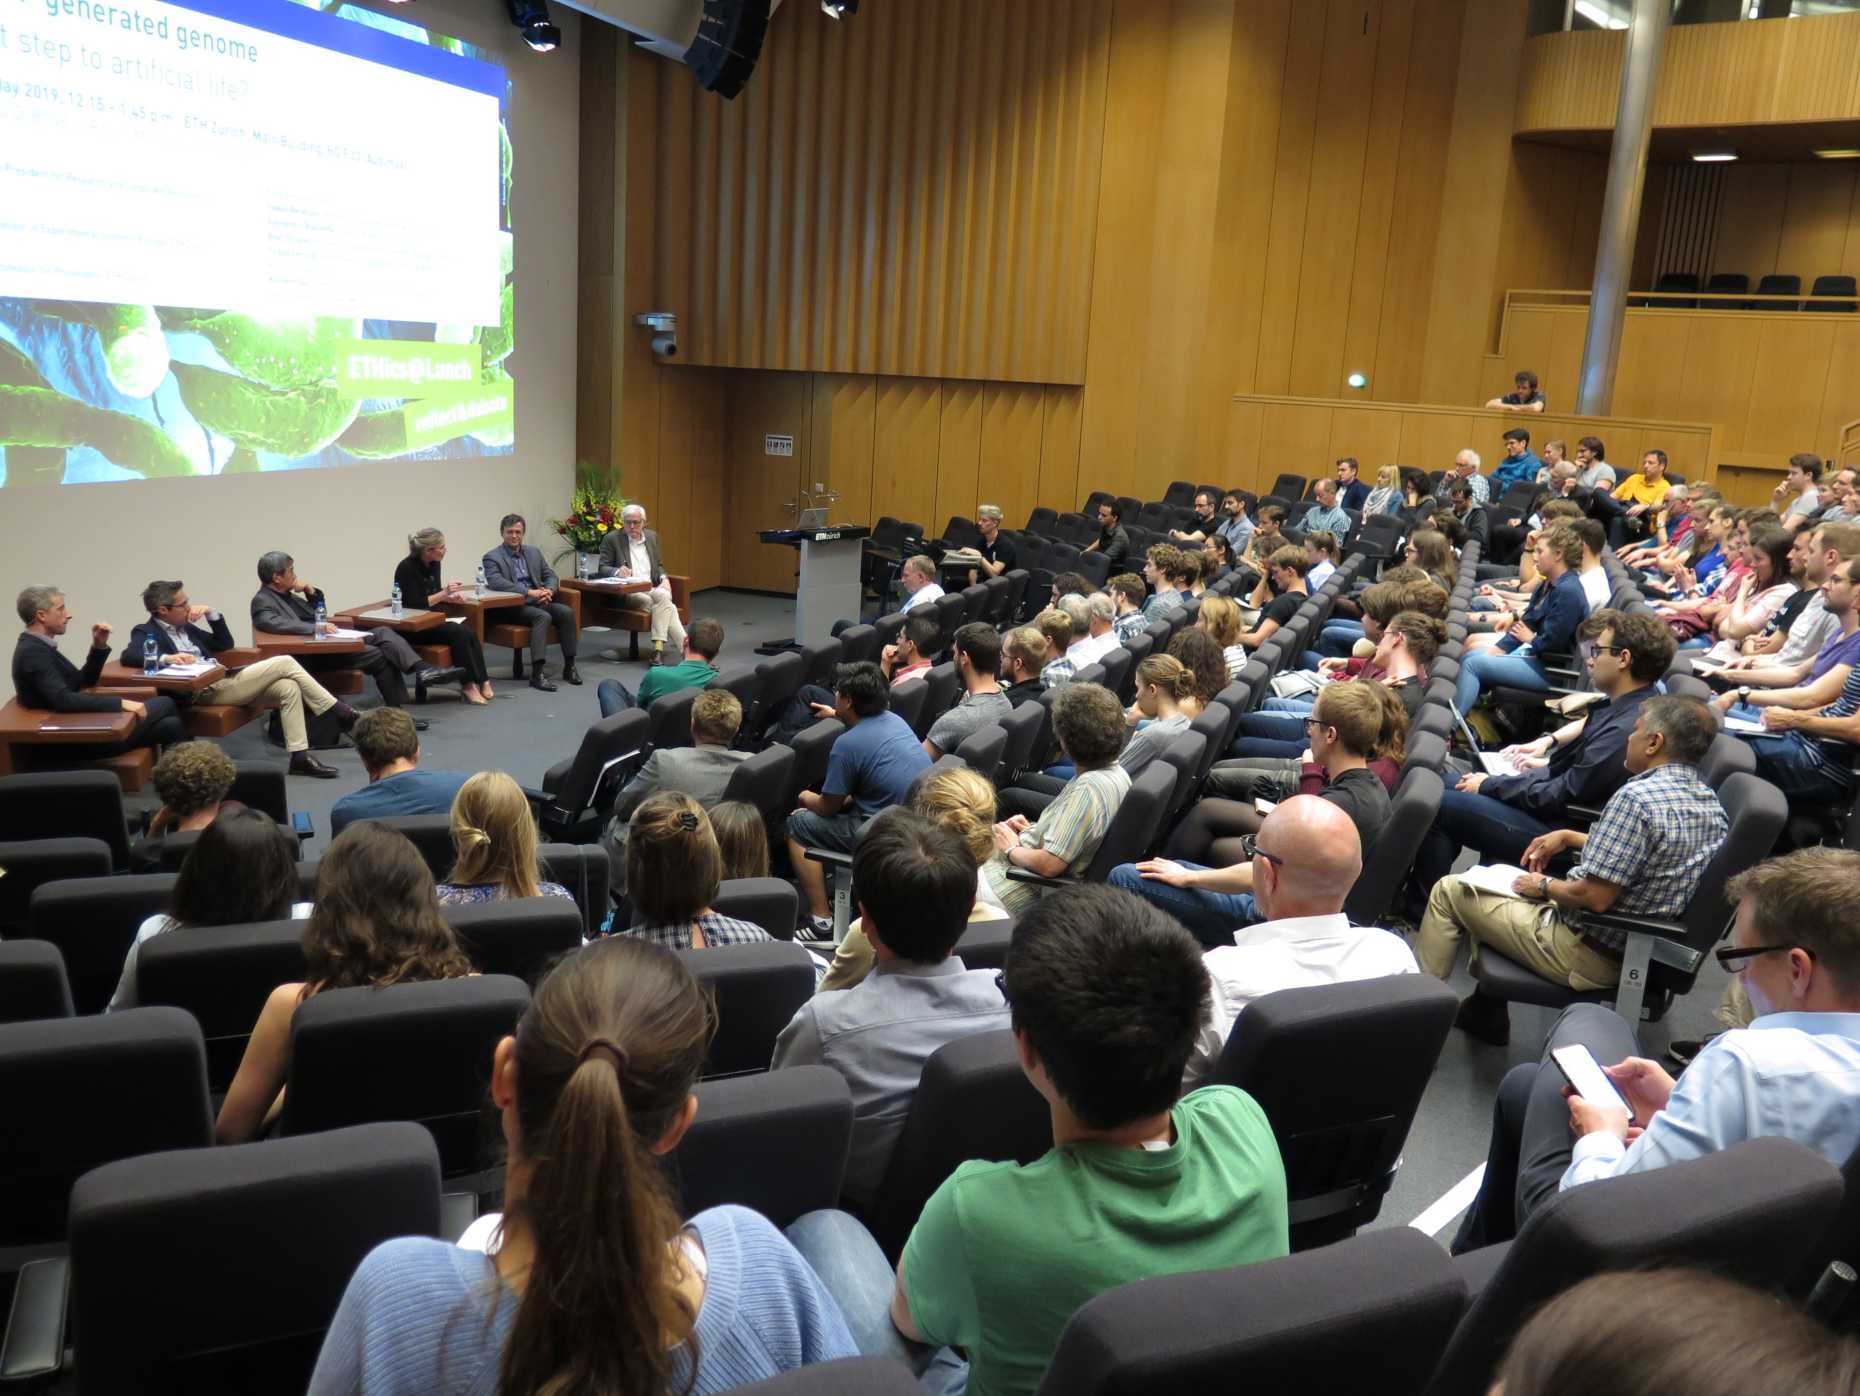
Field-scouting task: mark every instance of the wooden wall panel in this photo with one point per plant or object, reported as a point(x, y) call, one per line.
point(1788, 387)
point(761, 486)
point(1013, 420)
point(911, 194)
point(907, 430)
point(1059, 446)
point(959, 453)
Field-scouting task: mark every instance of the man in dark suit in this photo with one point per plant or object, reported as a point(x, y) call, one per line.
point(44, 678)
point(280, 682)
point(284, 605)
point(634, 553)
point(518, 567)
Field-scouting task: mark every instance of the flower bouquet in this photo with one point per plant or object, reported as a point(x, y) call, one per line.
point(593, 513)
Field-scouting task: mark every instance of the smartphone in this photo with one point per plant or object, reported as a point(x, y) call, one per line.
point(1586, 1078)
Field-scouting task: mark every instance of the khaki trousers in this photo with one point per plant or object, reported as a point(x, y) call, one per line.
point(1530, 932)
point(667, 629)
point(281, 681)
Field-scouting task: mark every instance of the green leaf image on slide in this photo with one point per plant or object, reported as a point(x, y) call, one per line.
point(27, 465)
point(276, 353)
point(135, 355)
point(45, 417)
point(292, 423)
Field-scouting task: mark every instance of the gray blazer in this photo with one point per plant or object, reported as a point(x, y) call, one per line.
point(498, 571)
point(614, 555)
point(284, 613)
point(702, 772)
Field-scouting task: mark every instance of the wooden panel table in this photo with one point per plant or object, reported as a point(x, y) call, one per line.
point(468, 607)
point(28, 727)
point(408, 622)
point(270, 645)
point(117, 675)
point(598, 601)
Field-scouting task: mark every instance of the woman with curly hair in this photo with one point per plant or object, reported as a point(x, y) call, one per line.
point(376, 924)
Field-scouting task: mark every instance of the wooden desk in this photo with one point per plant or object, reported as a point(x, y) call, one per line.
point(603, 604)
point(270, 645)
point(28, 727)
point(468, 607)
point(116, 675)
point(409, 623)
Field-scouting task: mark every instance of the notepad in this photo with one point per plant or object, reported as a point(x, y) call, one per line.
point(341, 634)
point(1494, 877)
point(1743, 724)
point(1496, 763)
point(191, 671)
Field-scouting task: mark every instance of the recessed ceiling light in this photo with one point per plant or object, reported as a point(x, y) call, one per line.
point(1708, 157)
point(1839, 152)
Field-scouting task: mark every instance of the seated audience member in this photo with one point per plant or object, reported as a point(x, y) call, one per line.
point(1822, 677)
point(1154, 1185)
point(1470, 512)
point(1217, 558)
point(1212, 901)
point(1306, 858)
point(1640, 494)
point(1195, 650)
point(673, 871)
point(1056, 626)
point(1220, 617)
point(918, 578)
point(701, 770)
point(192, 779)
point(1070, 584)
point(43, 678)
point(1207, 519)
point(870, 768)
point(1351, 491)
point(1386, 497)
point(1794, 1071)
point(1235, 526)
point(913, 652)
point(1112, 540)
point(1593, 472)
point(417, 576)
point(978, 662)
point(1023, 655)
point(1156, 564)
point(1324, 516)
point(1088, 724)
point(1127, 593)
point(516, 566)
point(1526, 397)
point(1788, 652)
point(280, 682)
point(592, 1280)
point(1643, 857)
point(1499, 814)
point(1548, 626)
point(286, 605)
point(1465, 470)
point(390, 752)
point(1162, 686)
point(1428, 549)
point(1094, 628)
point(375, 923)
point(1625, 1333)
point(1278, 596)
point(1798, 497)
point(633, 553)
point(1762, 593)
point(1520, 464)
point(1597, 590)
point(1349, 616)
point(916, 884)
point(242, 868)
point(494, 838)
point(1187, 576)
point(700, 647)
point(1844, 493)
point(742, 839)
point(1267, 537)
point(998, 555)
point(962, 802)
point(1321, 554)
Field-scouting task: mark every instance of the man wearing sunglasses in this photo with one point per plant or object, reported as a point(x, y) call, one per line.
point(1794, 1072)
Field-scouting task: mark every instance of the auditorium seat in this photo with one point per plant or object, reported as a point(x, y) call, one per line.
point(910, 700)
point(961, 532)
point(65, 804)
point(222, 975)
point(974, 604)
point(1725, 283)
point(521, 937)
point(763, 781)
point(944, 688)
point(582, 869)
point(889, 626)
point(769, 902)
point(745, 681)
point(1179, 495)
point(1339, 1070)
point(850, 1376)
point(1388, 861)
point(419, 1052)
point(782, 676)
point(31, 863)
point(220, 1269)
point(757, 988)
point(431, 834)
point(576, 794)
point(1043, 521)
point(1317, 1323)
point(812, 745)
point(793, 1125)
point(981, 750)
point(859, 644)
point(1776, 284)
point(32, 982)
point(1832, 286)
point(973, 1102)
point(93, 921)
point(670, 719)
point(984, 945)
point(820, 660)
point(1023, 725)
point(1753, 1212)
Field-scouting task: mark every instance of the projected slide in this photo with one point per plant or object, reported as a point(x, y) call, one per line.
point(245, 235)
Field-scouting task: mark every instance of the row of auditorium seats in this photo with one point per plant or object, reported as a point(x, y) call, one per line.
point(1725, 283)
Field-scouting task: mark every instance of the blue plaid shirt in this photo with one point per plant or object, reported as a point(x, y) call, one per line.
point(1058, 672)
point(1481, 490)
point(1654, 838)
point(1332, 521)
point(1130, 626)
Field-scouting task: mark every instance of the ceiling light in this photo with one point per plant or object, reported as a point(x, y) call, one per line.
point(1711, 157)
point(839, 9)
point(1839, 152)
point(1358, 381)
point(532, 17)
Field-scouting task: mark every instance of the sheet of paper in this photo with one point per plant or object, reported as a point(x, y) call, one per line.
point(1494, 877)
point(193, 670)
point(1743, 724)
point(341, 634)
point(1263, 805)
point(1496, 763)
point(611, 581)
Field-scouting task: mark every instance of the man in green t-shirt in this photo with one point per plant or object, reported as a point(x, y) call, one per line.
point(1106, 995)
point(703, 643)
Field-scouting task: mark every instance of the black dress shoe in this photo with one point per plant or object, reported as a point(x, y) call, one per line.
point(433, 677)
point(420, 724)
point(571, 675)
point(540, 680)
point(1485, 1018)
point(304, 764)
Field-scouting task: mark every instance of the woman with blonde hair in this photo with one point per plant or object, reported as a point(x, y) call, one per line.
point(1220, 617)
point(1386, 497)
point(742, 838)
point(494, 840)
point(962, 801)
point(673, 871)
point(417, 576)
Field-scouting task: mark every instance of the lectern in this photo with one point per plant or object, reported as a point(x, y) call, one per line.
point(829, 587)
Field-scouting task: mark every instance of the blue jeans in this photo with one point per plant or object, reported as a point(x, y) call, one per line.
point(1489, 668)
point(1338, 638)
point(1270, 746)
point(855, 1272)
point(1274, 726)
point(614, 697)
point(1787, 761)
point(1212, 917)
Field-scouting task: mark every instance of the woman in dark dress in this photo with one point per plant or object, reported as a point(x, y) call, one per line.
point(420, 587)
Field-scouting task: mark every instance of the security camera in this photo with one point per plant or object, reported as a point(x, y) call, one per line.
point(664, 325)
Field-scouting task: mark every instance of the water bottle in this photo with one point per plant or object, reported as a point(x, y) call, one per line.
point(394, 605)
point(319, 619)
point(151, 657)
point(481, 584)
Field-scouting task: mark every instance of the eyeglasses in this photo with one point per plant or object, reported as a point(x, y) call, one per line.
point(1731, 957)
point(1312, 724)
point(1249, 845)
point(1611, 649)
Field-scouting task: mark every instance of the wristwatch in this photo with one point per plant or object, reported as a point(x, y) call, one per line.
point(1743, 693)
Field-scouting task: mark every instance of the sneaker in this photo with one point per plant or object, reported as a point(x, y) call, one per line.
point(818, 928)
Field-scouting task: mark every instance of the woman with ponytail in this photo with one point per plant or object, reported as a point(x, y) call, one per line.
point(421, 590)
point(592, 1286)
point(494, 840)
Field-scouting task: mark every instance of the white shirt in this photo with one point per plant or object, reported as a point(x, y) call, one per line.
point(125, 995)
point(1596, 587)
point(1320, 574)
point(1296, 952)
point(182, 641)
point(1796, 1075)
point(923, 596)
point(1091, 648)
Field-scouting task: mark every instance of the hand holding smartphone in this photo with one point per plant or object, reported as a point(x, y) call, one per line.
point(1587, 1079)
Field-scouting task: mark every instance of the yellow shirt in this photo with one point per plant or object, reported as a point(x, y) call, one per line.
point(1637, 489)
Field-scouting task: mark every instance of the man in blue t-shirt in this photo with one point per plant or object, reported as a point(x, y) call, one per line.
point(390, 752)
point(870, 768)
